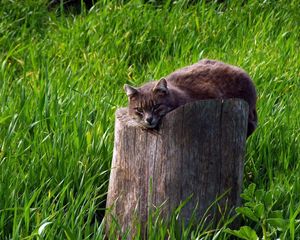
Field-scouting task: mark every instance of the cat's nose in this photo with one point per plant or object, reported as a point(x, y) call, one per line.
point(149, 120)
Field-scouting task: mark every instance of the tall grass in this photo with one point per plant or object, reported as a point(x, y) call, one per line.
point(61, 78)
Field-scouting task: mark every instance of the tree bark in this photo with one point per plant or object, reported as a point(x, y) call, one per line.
point(197, 153)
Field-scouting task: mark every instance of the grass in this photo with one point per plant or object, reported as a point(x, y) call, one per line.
point(61, 78)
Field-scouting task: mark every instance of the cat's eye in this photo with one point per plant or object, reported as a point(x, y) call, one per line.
point(139, 110)
point(156, 107)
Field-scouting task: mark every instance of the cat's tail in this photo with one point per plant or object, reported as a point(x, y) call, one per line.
point(252, 122)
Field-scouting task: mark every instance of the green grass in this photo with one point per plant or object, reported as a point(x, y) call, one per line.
point(61, 78)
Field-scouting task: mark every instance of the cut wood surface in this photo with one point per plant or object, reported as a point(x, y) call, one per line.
point(198, 152)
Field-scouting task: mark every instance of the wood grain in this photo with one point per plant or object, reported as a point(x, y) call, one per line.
point(198, 152)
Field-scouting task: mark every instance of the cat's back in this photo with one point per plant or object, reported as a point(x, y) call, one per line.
point(214, 79)
point(205, 70)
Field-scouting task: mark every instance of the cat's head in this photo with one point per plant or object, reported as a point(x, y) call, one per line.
point(149, 103)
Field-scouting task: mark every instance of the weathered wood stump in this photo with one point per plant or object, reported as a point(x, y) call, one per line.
point(198, 152)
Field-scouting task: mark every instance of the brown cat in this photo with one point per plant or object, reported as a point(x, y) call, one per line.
point(207, 79)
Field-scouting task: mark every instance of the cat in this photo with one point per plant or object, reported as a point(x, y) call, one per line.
point(207, 79)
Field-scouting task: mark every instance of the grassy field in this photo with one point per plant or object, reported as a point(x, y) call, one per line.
point(61, 78)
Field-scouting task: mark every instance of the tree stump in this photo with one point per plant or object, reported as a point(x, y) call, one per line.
point(198, 152)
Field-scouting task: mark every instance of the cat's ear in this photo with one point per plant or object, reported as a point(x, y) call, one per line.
point(130, 91)
point(161, 86)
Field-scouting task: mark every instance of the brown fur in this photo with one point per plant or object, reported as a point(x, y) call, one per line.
point(207, 79)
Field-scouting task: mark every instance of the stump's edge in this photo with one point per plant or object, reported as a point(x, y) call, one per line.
point(122, 115)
